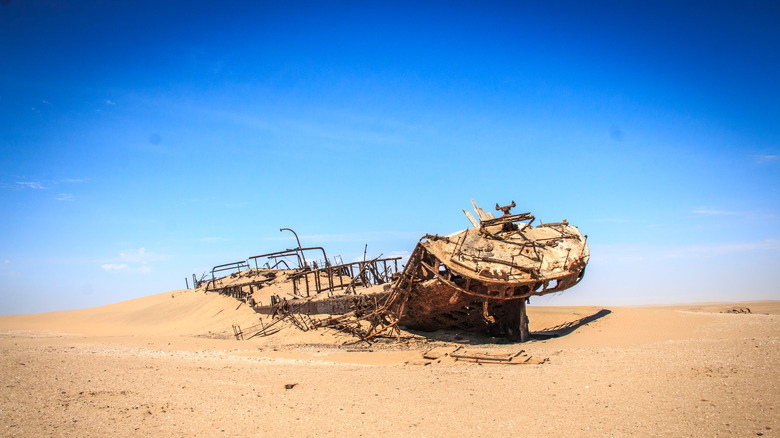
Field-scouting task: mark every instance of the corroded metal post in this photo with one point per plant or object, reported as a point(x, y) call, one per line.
point(297, 240)
point(525, 335)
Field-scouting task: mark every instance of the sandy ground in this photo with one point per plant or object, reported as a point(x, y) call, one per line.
point(167, 365)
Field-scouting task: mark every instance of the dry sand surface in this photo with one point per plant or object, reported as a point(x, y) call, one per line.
point(167, 365)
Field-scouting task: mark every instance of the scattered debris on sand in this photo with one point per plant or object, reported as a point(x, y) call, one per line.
point(459, 354)
point(737, 310)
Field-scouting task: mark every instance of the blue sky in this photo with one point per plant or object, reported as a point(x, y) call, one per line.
point(141, 142)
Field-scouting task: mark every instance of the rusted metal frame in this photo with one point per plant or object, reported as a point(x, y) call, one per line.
point(428, 267)
point(506, 219)
point(317, 281)
point(381, 314)
point(279, 262)
point(363, 277)
point(531, 271)
point(324, 255)
point(435, 237)
point(459, 246)
point(553, 224)
point(320, 287)
point(281, 257)
point(477, 294)
point(447, 282)
point(437, 275)
point(300, 324)
point(370, 335)
point(238, 333)
point(226, 267)
point(584, 245)
point(400, 291)
point(567, 259)
point(277, 254)
point(469, 269)
point(561, 237)
point(299, 244)
point(527, 241)
point(361, 273)
point(485, 314)
point(372, 269)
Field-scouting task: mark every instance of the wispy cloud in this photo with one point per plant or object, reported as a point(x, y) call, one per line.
point(714, 212)
point(31, 185)
point(122, 267)
point(140, 255)
point(135, 260)
point(767, 158)
point(707, 211)
point(109, 102)
point(65, 197)
point(641, 253)
point(40, 184)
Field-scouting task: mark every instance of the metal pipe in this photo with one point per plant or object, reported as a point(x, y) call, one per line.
point(297, 240)
point(313, 248)
point(285, 253)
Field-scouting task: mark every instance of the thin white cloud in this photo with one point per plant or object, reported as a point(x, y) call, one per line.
point(123, 267)
point(31, 185)
point(140, 255)
point(65, 197)
point(642, 253)
point(135, 260)
point(706, 211)
point(714, 212)
point(767, 158)
point(109, 102)
point(41, 184)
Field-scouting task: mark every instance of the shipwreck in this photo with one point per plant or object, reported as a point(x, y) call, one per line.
point(477, 279)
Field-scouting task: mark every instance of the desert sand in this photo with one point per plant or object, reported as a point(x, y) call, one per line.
point(168, 365)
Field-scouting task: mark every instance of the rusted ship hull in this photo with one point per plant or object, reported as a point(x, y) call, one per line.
point(480, 279)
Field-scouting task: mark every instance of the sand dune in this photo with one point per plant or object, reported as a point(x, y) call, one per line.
point(181, 312)
point(167, 365)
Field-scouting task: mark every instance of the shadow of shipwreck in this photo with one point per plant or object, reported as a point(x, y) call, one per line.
point(568, 327)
